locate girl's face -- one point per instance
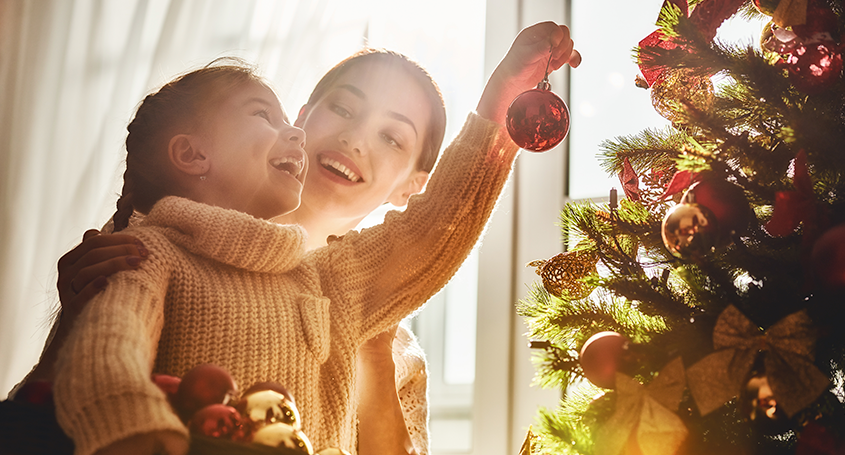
(256, 161)
(365, 136)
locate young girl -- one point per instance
(408, 270)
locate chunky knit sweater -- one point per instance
(222, 287)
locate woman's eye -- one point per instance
(341, 111)
(390, 140)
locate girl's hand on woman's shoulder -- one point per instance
(525, 65)
(83, 270)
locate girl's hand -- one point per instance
(524, 66)
(83, 270)
(153, 443)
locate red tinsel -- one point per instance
(680, 181)
(707, 16)
(630, 181)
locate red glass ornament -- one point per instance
(203, 385)
(814, 67)
(218, 421)
(828, 258)
(538, 120)
(600, 358)
(726, 201)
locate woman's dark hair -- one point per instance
(173, 108)
(437, 129)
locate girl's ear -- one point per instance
(185, 156)
(414, 185)
(303, 114)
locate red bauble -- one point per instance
(202, 386)
(538, 119)
(828, 258)
(726, 201)
(218, 421)
(601, 356)
(821, 23)
(814, 67)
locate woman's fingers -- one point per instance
(97, 256)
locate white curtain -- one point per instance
(72, 73)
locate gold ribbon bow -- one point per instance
(789, 346)
(648, 413)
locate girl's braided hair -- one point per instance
(174, 108)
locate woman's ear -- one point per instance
(303, 114)
(413, 185)
(185, 156)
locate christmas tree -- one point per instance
(703, 312)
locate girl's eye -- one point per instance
(264, 113)
(341, 111)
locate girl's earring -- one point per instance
(202, 177)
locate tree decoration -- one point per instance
(788, 360)
(759, 406)
(601, 357)
(689, 231)
(562, 273)
(796, 206)
(675, 88)
(218, 421)
(537, 119)
(645, 415)
(283, 435)
(630, 181)
(814, 66)
(726, 201)
(828, 259)
(203, 385)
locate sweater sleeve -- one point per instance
(412, 386)
(384, 273)
(103, 390)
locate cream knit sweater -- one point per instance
(223, 287)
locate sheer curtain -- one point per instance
(72, 73)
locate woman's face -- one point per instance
(256, 160)
(365, 136)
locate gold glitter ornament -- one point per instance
(563, 272)
(676, 87)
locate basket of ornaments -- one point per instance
(261, 420)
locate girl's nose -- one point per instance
(295, 135)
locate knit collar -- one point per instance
(229, 236)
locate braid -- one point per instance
(172, 109)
